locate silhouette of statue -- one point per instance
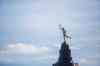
(65, 35)
(65, 58)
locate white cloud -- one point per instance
(21, 48)
(88, 61)
(21, 52)
(75, 48)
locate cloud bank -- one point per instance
(20, 52)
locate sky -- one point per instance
(29, 32)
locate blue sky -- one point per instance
(29, 32)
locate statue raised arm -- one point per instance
(65, 34)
